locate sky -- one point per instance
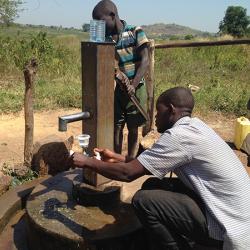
(203, 15)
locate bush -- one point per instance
(189, 37)
(58, 78)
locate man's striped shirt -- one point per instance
(207, 165)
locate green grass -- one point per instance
(222, 73)
(25, 31)
(49, 94)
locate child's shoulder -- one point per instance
(130, 27)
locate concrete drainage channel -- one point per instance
(43, 215)
(12, 216)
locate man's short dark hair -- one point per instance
(179, 97)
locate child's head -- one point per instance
(106, 10)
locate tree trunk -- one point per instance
(29, 76)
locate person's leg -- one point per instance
(118, 138)
(119, 119)
(170, 217)
(132, 141)
(135, 119)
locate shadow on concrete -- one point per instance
(20, 234)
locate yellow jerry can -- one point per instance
(242, 128)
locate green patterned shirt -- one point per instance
(130, 39)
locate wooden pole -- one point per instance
(201, 44)
(29, 76)
(98, 63)
(150, 74)
(150, 89)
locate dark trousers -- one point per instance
(172, 215)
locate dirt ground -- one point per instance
(46, 123)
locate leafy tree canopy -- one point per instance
(86, 27)
(235, 22)
(9, 10)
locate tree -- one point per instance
(9, 10)
(189, 37)
(86, 27)
(235, 22)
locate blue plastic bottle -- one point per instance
(97, 31)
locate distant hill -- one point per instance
(161, 30)
(27, 30)
(155, 31)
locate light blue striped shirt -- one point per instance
(207, 165)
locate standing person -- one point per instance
(133, 60)
(208, 203)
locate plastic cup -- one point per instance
(83, 140)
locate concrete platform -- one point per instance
(14, 235)
(14, 200)
(12, 216)
(56, 221)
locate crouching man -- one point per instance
(208, 203)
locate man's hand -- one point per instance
(131, 89)
(79, 160)
(109, 156)
(125, 83)
(113, 165)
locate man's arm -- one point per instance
(141, 70)
(119, 171)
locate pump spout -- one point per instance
(64, 120)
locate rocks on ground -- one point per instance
(5, 182)
(51, 155)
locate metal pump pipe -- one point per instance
(64, 120)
